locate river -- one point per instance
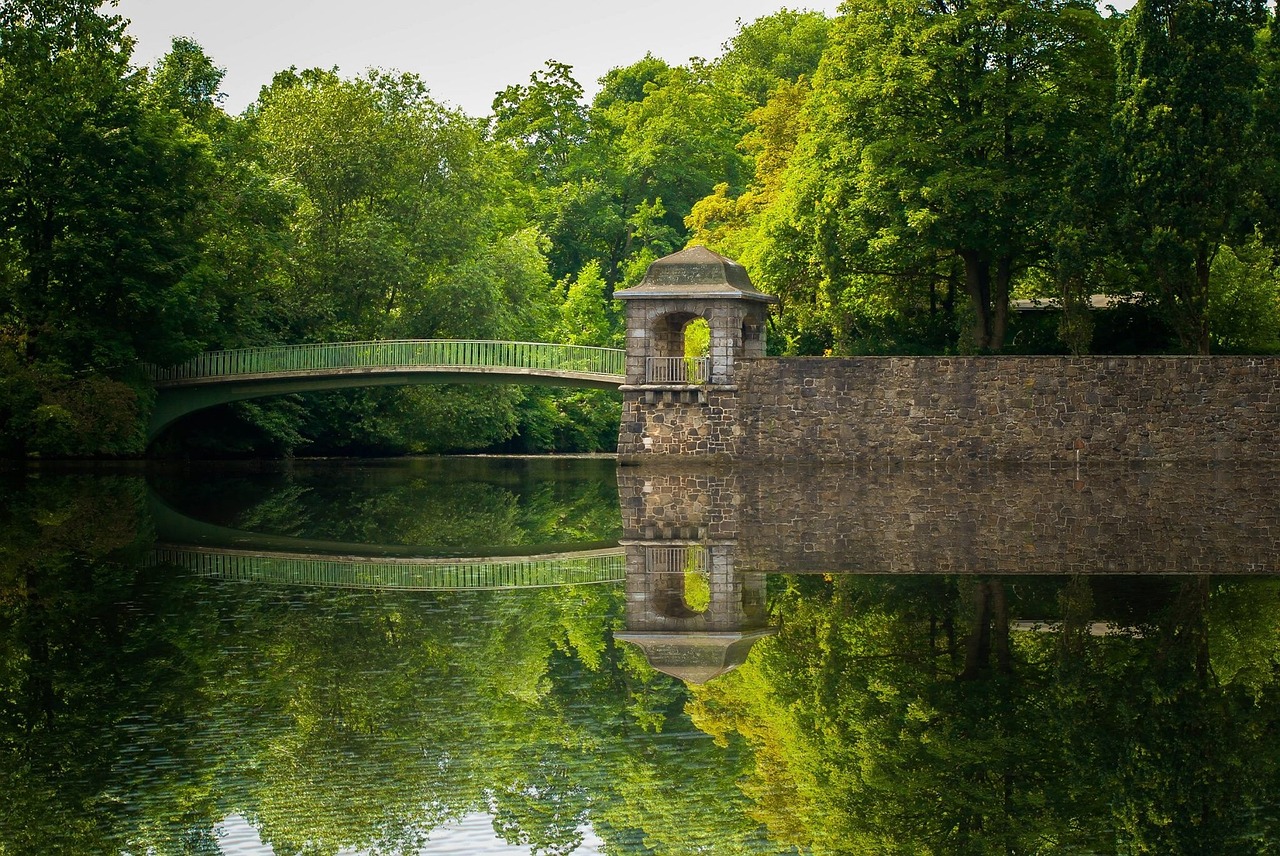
(555, 656)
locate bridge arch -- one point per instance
(220, 377)
(221, 552)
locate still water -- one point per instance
(555, 656)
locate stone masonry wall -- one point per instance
(875, 409)
(984, 519)
(685, 423)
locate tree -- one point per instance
(1187, 145)
(96, 195)
(938, 145)
(771, 50)
(380, 214)
(878, 724)
(671, 134)
(546, 121)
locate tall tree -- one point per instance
(545, 120)
(938, 142)
(96, 192)
(1187, 144)
(774, 49)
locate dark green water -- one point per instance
(146, 708)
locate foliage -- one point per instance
(879, 724)
(45, 412)
(1243, 311)
(1187, 143)
(939, 139)
(769, 52)
(141, 706)
(97, 196)
(896, 175)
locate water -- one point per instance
(900, 661)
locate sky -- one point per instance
(472, 835)
(465, 51)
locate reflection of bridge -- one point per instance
(219, 377)
(226, 553)
(410, 574)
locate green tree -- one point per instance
(1243, 311)
(380, 172)
(1187, 145)
(938, 144)
(374, 213)
(96, 196)
(771, 50)
(244, 244)
(905, 716)
(671, 135)
(545, 121)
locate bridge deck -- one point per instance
(220, 377)
(587, 567)
(329, 359)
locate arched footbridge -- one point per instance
(219, 377)
(224, 553)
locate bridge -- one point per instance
(583, 567)
(225, 553)
(219, 377)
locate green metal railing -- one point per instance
(409, 575)
(406, 354)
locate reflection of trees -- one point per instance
(140, 707)
(454, 505)
(900, 715)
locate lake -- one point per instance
(555, 656)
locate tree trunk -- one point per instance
(1000, 302)
(949, 302)
(1201, 311)
(977, 652)
(1000, 626)
(977, 282)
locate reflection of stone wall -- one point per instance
(670, 505)
(973, 408)
(1013, 520)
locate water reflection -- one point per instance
(1025, 661)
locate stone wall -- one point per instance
(700, 423)
(973, 519)
(945, 409)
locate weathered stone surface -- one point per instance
(970, 519)
(945, 409)
(708, 429)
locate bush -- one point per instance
(46, 413)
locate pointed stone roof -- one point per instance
(697, 657)
(695, 272)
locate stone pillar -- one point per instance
(673, 406)
(689, 609)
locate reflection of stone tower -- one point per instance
(674, 404)
(689, 609)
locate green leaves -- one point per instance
(872, 733)
(1188, 146)
(97, 194)
(941, 134)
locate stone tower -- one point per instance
(674, 403)
(693, 613)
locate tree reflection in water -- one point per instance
(901, 715)
(141, 706)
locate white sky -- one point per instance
(465, 50)
(473, 835)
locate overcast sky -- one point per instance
(465, 50)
